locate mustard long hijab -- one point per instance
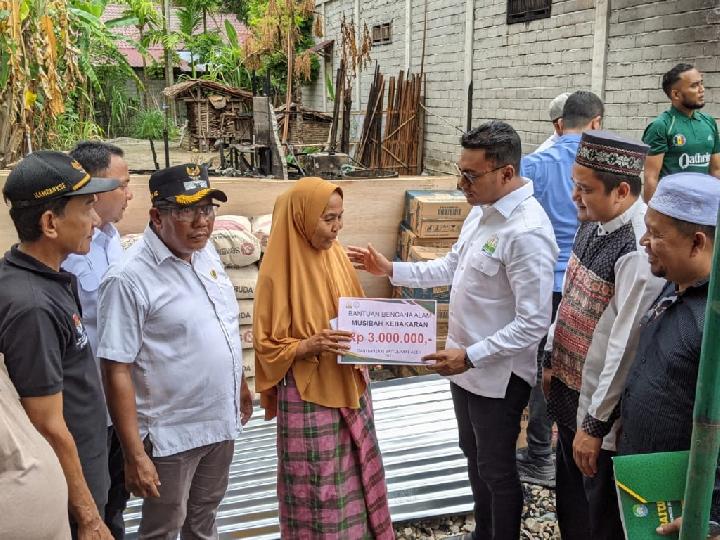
(296, 296)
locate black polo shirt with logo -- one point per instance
(46, 351)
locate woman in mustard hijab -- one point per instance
(331, 482)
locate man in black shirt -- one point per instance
(45, 345)
(659, 393)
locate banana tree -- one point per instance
(48, 50)
(189, 16)
(144, 15)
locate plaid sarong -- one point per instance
(331, 481)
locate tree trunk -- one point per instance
(169, 74)
(144, 78)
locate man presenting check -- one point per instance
(501, 271)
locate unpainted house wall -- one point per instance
(520, 68)
(315, 95)
(620, 52)
(443, 64)
(444, 72)
(646, 39)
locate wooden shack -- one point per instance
(214, 111)
(307, 127)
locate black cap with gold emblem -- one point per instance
(45, 175)
(183, 185)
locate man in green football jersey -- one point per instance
(681, 139)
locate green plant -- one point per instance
(238, 7)
(225, 61)
(145, 16)
(149, 124)
(265, 51)
(203, 47)
(51, 52)
(329, 86)
(155, 70)
(69, 128)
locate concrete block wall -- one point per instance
(646, 39)
(443, 64)
(315, 95)
(444, 96)
(520, 68)
(391, 56)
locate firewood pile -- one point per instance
(400, 147)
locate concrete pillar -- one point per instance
(468, 55)
(408, 35)
(600, 47)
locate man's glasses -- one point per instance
(188, 214)
(472, 178)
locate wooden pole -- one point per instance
(340, 77)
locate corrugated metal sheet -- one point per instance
(426, 472)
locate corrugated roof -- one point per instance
(426, 471)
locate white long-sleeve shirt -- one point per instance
(608, 288)
(501, 270)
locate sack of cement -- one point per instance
(236, 246)
(249, 363)
(246, 336)
(261, 229)
(244, 280)
(128, 240)
(233, 223)
(246, 312)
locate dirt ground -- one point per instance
(139, 156)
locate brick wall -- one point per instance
(518, 69)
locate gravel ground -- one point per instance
(539, 520)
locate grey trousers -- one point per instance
(193, 484)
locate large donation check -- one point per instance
(388, 331)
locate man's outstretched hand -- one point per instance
(370, 260)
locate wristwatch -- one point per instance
(468, 363)
(713, 529)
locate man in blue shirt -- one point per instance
(556, 110)
(551, 173)
(103, 160)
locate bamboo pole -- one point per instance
(706, 416)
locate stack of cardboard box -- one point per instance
(431, 225)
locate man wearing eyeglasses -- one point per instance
(501, 272)
(170, 345)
